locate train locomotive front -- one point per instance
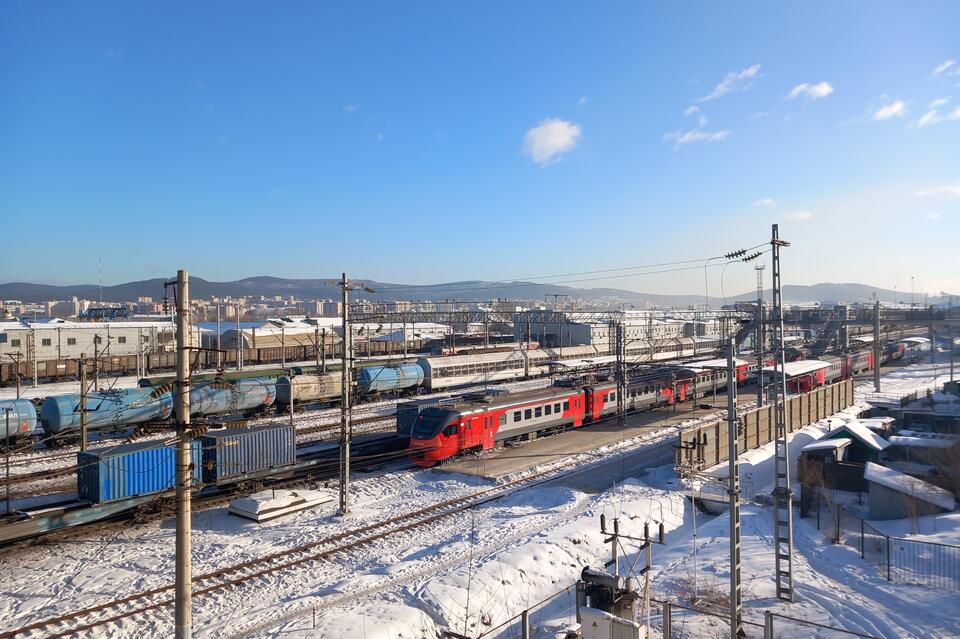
(434, 436)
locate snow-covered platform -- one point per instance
(501, 462)
(270, 504)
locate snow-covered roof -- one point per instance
(922, 442)
(908, 485)
(916, 340)
(717, 363)
(827, 444)
(877, 423)
(800, 367)
(863, 339)
(861, 432)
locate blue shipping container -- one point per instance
(235, 452)
(130, 470)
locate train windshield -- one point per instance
(431, 421)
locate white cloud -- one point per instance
(943, 67)
(955, 114)
(945, 189)
(811, 91)
(767, 201)
(928, 118)
(696, 135)
(691, 110)
(550, 139)
(733, 81)
(798, 216)
(892, 110)
(939, 102)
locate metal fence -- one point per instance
(897, 559)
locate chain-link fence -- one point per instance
(895, 558)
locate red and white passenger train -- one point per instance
(478, 423)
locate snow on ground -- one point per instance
(472, 571)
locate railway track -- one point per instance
(86, 619)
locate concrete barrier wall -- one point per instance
(706, 445)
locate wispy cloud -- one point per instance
(811, 91)
(798, 216)
(681, 138)
(735, 80)
(550, 139)
(944, 189)
(933, 115)
(944, 66)
(582, 102)
(695, 110)
(767, 201)
(350, 108)
(893, 110)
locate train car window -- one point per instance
(516, 416)
(71, 341)
(45, 341)
(503, 418)
(527, 414)
(14, 343)
(538, 412)
(556, 408)
(548, 410)
(566, 405)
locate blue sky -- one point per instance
(427, 142)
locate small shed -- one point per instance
(826, 450)
(895, 495)
(865, 445)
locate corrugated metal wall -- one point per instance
(758, 425)
(234, 452)
(128, 471)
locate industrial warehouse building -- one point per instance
(57, 339)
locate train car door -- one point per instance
(490, 425)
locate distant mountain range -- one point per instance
(466, 291)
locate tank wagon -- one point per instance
(241, 396)
(61, 415)
(385, 379)
(19, 423)
(324, 387)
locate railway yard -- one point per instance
(424, 488)
(409, 538)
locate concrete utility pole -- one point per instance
(219, 349)
(736, 604)
(7, 455)
(621, 372)
(83, 401)
(323, 351)
(783, 508)
(184, 592)
(239, 341)
(345, 355)
(876, 346)
(760, 335)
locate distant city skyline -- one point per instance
(422, 144)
